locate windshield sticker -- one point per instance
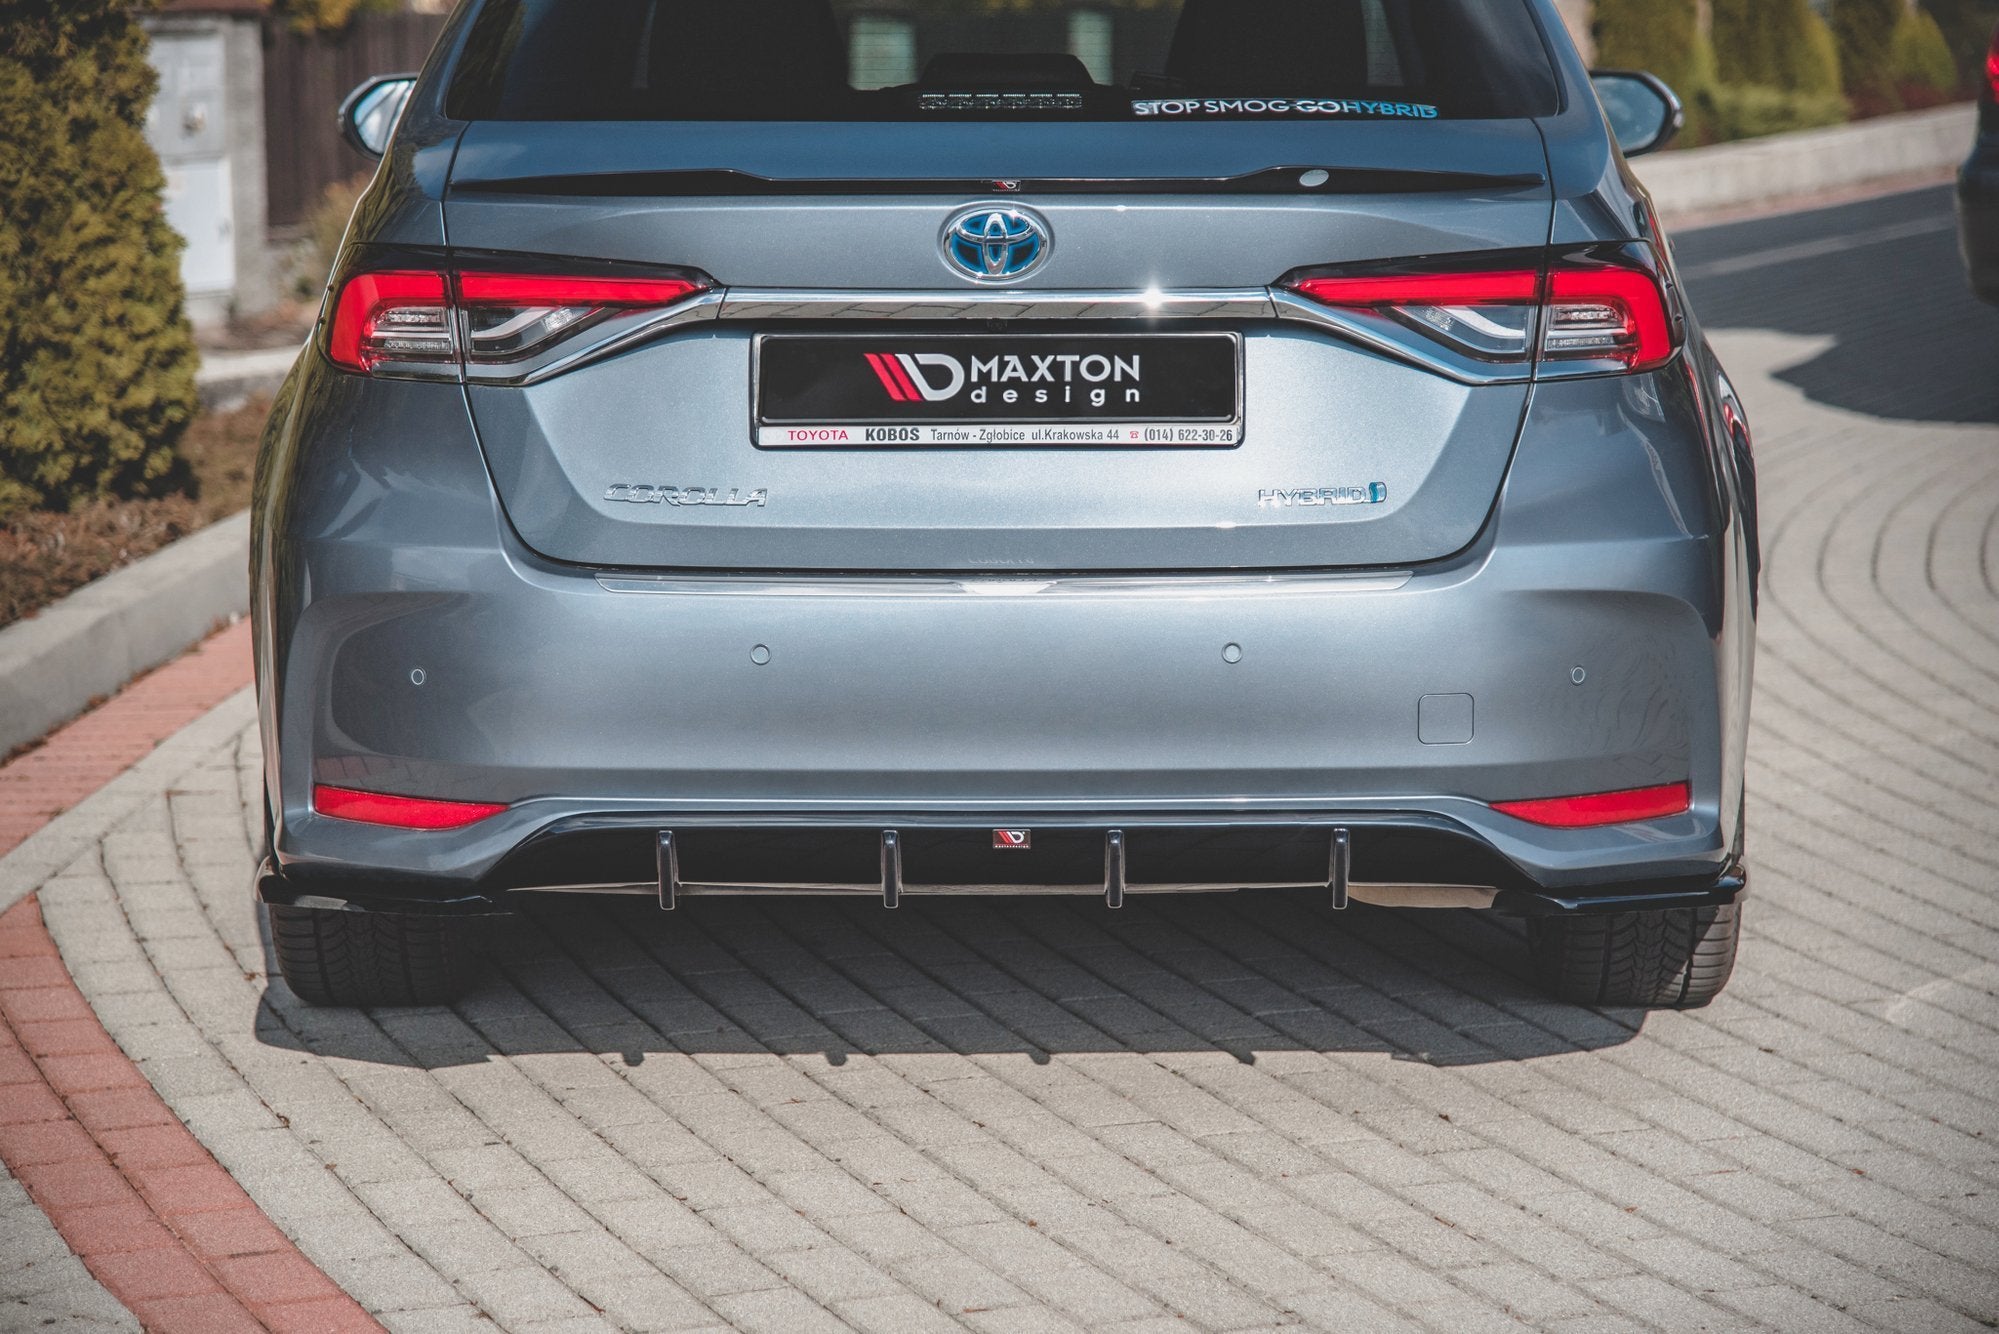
(1282, 106)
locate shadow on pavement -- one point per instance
(1883, 280)
(1237, 974)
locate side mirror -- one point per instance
(368, 117)
(1643, 112)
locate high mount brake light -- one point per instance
(1603, 808)
(417, 321)
(1590, 315)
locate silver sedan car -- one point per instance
(779, 447)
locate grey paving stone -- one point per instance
(656, 1223)
(777, 1311)
(462, 1318)
(520, 1294)
(653, 1302)
(714, 1269)
(42, 1284)
(832, 1274)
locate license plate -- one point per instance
(870, 391)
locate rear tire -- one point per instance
(330, 957)
(1675, 959)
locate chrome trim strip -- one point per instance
(972, 585)
(706, 306)
(1220, 813)
(1374, 332)
(1380, 334)
(956, 304)
(1377, 333)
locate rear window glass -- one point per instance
(1106, 60)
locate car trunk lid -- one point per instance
(1340, 454)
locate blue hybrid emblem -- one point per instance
(991, 244)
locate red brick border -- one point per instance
(82, 756)
(160, 1223)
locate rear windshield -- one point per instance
(1106, 60)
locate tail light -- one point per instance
(1488, 315)
(1603, 808)
(1603, 313)
(400, 317)
(429, 324)
(1571, 315)
(1992, 70)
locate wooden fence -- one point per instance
(306, 76)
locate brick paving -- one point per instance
(83, 756)
(156, 1220)
(166, 1233)
(1222, 1114)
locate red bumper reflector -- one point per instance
(399, 812)
(1603, 808)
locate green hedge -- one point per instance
(1866, 32)
(1659, 36)
(1781, 44)
(96, 358)
(1919, 57)
(1728, 113)
(1772, 64)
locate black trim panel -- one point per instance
(725, 183)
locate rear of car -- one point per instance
(1978, 189)
(790, 447)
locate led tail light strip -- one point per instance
(1574, 315)
(431, 323)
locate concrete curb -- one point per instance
(1784, 166)
(227, 378)
(106, 633)
(49, 850)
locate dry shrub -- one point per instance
(45, 555)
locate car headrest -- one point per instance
(758, 56)
(1270, 48)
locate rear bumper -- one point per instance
(977, 703)
(1978, 217)
(1594, 640)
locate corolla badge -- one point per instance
(995, 243)
(688, 497)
